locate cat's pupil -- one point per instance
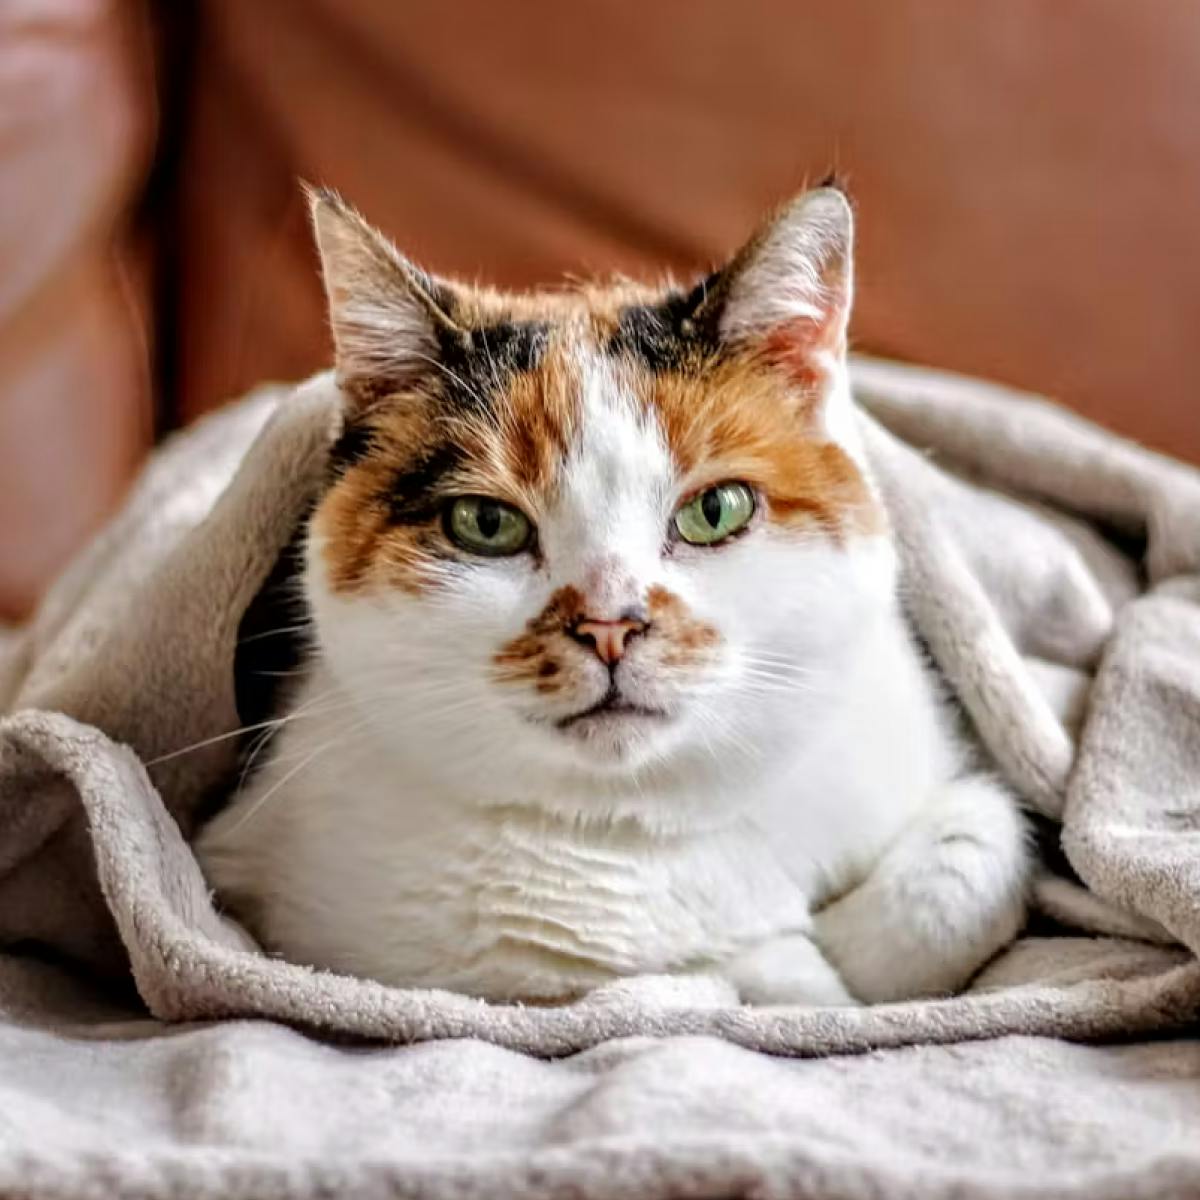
(710, 506)
(488, 519)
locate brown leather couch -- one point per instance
(1025, 174)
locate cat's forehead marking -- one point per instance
(618, 463)
(616, 425)
(479, 364)
(618, 471)
(570, 411)
(673, 333)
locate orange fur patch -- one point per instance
(530, 657)
(741, 419)
(510, 452)
(361, 544)
(686, 640)
(539, 414)
(541, 655)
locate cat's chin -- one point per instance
(615, 738)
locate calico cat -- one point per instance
(608, 674)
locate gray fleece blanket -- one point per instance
(1054, 573)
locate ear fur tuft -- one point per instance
(385, 313)
(793, 280)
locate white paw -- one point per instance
(887, 960)
(687, 990)
(944, 898)
(787, 970)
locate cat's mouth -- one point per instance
(611, 706)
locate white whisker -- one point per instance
(302, 627)
(279, 783)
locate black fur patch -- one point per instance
(354, 444)
(478, 363)
(410, 498)
(272, 645)
(678, 334)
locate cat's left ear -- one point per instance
(388, 317)
(788, 291)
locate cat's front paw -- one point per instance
(686, 990)
(946, 896)
(787, 970)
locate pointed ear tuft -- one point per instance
(385, 313)
(834, 179)
(789, 288)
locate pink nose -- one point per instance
(607, 638)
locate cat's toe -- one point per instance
(788, 970)
(685, 990)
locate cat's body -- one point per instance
(610, 674)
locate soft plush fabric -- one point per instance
(1078, 664)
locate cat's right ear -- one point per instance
(787, 292)
(386, 314)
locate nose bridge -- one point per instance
(610, 587)
(608, 535)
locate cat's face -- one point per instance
(602, 528)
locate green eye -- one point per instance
(714, 514)
(486, 526)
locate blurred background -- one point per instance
(1026, 173)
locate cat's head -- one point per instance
(604, 528)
